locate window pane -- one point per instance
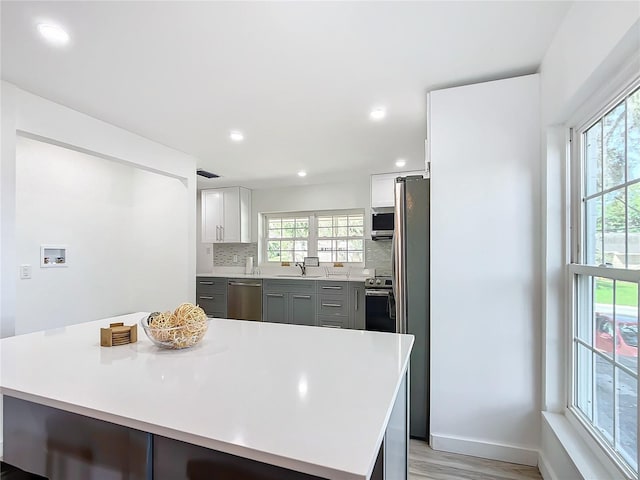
(603, 411)
(275, 223)
(593, 159)
(613, 133)
(585, 313)
(301, 245)
(355, 244)
(584, 378)
(341, 256)
(633, 136)
(286, 256)
(355, 257)
(341, 221)
(341, 231)
(288, 232)
(273, 251)
(593, 232)
(286, 245)
(324, 245)
(614, 228)
(356, 220)
(275, 233)
(299, 256)
(302, 232)
(356, 231)
(340, 245)
(324, 256)
(633, 219)
(604, 315)
(627, 417)
(325, 232)
(325, 221)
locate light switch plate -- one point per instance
(25, 271)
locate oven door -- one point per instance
(380, 310)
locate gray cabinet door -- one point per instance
(275, 308)
(302, 309)
(356, 305)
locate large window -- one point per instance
(336, 236)
(605, 277)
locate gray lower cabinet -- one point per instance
(289, 301)
(356, 305)
(274, 307)
(333, 304)
(302, 309)
(211, 295)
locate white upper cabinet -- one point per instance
(226, 215)
(382, 187)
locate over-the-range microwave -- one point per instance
(382, 224)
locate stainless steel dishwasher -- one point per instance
(244, 299)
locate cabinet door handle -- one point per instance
(221, 233)
(205, 298)
(217, 232)
(332, 288)
(302, 296)
(206, 283)
(356, 295)
(332, 326)
(275, 294)
(337, 305)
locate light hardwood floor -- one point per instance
(425, 463)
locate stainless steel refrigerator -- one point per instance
(411, 290)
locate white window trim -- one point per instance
(313, 233)
(616, 90)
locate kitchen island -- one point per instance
(252, 400)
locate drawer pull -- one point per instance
(275, 294)
(302, 296)
(336, 305)
(332, 288)
(205, 298)
(206, 283)
(332, 326)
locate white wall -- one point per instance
(37, 116)
(587, 60)
(485, 250)
(125, 241)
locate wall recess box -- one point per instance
(53, 256)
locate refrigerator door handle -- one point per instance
(399, 257)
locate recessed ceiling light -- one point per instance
(302, 173)
(236, 136)
(53, 34)
(401, 162)
(378, 113)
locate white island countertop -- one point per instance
(314, 400)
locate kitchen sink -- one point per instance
(300, 276)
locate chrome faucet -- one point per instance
(303, 268)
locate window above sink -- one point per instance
(335, 236)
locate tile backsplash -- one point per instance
(223, 254)
(377, 254)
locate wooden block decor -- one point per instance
(118, 334)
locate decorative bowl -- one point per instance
(183, 336)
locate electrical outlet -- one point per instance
(235, 259)
(25, 271)
(208, 250)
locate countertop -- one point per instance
(289, 275)
(314, 400)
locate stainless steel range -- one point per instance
(379, 304)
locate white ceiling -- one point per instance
(299, 79)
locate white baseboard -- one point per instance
(545, 468)
(483, 449)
